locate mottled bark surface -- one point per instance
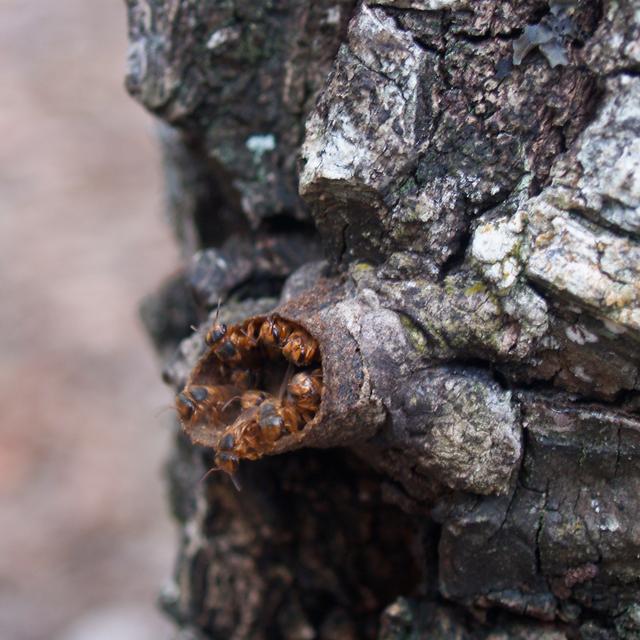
(446, 195)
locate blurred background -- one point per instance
(85, 542)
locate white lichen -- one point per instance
(259, 144)
(495, 248)
(222, 36)
(580, 335)
(422, 5)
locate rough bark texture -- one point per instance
(472, 172)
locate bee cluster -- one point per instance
(259, 381)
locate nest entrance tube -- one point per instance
(259, 383)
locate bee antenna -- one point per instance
(228, 402)
(234, 478)
(169, 407)
(206, 475)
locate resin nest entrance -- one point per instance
(259, 382)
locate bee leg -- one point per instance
(229, 463)
(285, 382)
(235, 478)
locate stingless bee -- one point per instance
(273, 335)
(305, 389)
(300, 348)
(255, 431)
(197, 403)
(234, 345)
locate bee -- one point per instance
(240, 440)
(234, 345)
(218, 331)
(215, 334)
(263, 421)
(275, 418)
(228, 462)
(248, 400)
(305, 390)
(273, 334)
(253, 398)
(232, 348)
(198, 403)
(242, 378)
(245, 337)
(293, 420)
(300, 348)
(226, 458)
(218, 339)
(270, 422)
(259, 425)
(249, 442)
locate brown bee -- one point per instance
(305, 390)
(262, 422)
(226, 460)
(275, 418)
(270, 422)
(249, 442)
(255, 431)
(217, 332)
(234, 345)
(300, 349)
(242, 378)
(259, 425)
(237, 442)
(293, 420)
(251, 330)
(230, 348)
(253, 398)
(242, 437)
(273, 334)
(240, 440)
(218, 339)
(198, 403)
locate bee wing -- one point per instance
(202, 433)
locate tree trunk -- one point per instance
(445, 195)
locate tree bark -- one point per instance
(446, 195)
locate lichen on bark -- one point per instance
(471, 171)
